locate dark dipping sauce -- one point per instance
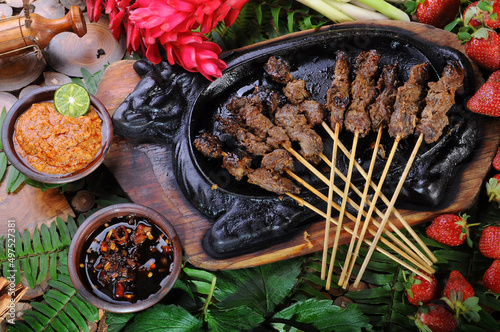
(127, 259)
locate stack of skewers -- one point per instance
(358, 100)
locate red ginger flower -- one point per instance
(170, 23)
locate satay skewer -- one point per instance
(424, 265)
(329, 203)
(368, 242)
(345, 274)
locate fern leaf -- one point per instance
(18, 249)
(53, 265)
(37, 242)
(47, 241)
(63, 231)
(27, 243)
(72, 227)
(58, 325)
(44, 309)
(54, 236)
(32, 321)
(68, 323)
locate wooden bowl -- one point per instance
(87, 231)
(45, 94)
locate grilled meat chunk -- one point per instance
(272, 181)
(278, 160)
(238, 164)
(337, 97)
(209, 144)
(314, 111)
(278, 69)
(295, 91)
(440, 98)
(299, 130)
(409, 101)
(253, 144)
(363, 92)
(387, 86)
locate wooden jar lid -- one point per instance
(18, 71)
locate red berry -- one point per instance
(489, 243)
(422, 291)
(437, 13)
(458, 284)
(484, 49)
(486, 100)
(437, 319)
(491, 278)
(475, 16)
(449, 229)
(494, 77)
(496, 160)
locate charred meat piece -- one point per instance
(409, 100)
(363, 92)
(278, 160)
(299, 130)
(272, 181)
(314, 111)
(249, 115)
(295, 91)
(382, 108)
(253, 144)
(266, 97)
(238, 164)
(278, 69)
(440, 98)
(337, 97)
(209, 144)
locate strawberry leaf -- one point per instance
(486, 6)
(411, 7)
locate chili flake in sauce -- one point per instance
(57, 144)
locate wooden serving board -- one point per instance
(145, 172)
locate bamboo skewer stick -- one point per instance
(410, 255)
(374, 202)
(389, 208)
(410, 230)
(329, 203)
(359, 216)
(342, 208)
(391, 225)
(368, 242)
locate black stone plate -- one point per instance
(172, 106)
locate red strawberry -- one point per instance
(456, 294)
(436, 318)
(496, 160)
(458, 284)
(475, 16)
(484, 49)
(449, 229)
(486, 100)
(493, 189)
(495, 77)
(489, 243)
(491, 278)
(437, 13)
(422, 291)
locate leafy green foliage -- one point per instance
(63, 309)
(37, 255)
(253, 23)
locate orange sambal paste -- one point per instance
(57, 144)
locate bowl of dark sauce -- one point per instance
(125, 258)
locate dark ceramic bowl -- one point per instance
(45, 94)
(87, 231)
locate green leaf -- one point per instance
(63, 231)
(237, 319)
(372, 296)
(116, 322)
(258, 13)
(323, 316)
(275, 11)
(3, 114)
(156, 318)
(261, 288)
(15, 179)
(3, 165)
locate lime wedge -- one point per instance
(72, 100)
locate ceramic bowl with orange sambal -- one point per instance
(53, 148)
